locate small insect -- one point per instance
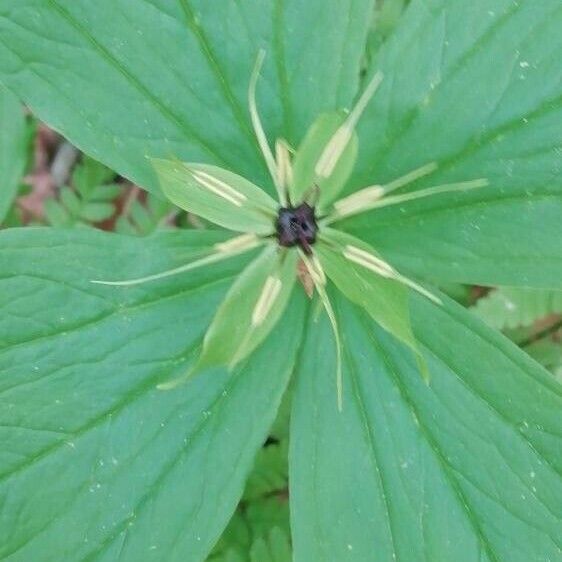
(295, 234)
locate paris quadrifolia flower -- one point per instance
(297, 234)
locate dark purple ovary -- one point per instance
(296, 226)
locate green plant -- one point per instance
(88, 200)
(514, 308)
(15, 136)
(98, 464)
(143, 219)
(531, 318)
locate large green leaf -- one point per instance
(13, 149)
(169, 78)
(477, 87)
(468, 469)
(96, 463)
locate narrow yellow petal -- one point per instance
(257, 124)
(319, 277)
(384, 269)
(224, 250)
(410, 177)
(428, 192)
(314, 268)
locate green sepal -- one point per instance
(308, 154)
(243, 207)
(385, 300)
(232, 335)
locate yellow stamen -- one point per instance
(356, 202)
(410, 177)
(284, 168)
(237, 244)
(421, 193)
(258, 127)
(369, 261)
(339, 141)
(384, 269)
(219, 187)
(266, 300)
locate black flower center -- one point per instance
(296, 226)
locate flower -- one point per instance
(296, 233)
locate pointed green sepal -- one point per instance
(251, 309)
(385, 299)
(305, 176)
(217, 195)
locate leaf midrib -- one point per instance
(371, 444)
(214, 65)
(136, 394)
(447, 469)
(414, 113)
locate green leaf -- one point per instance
(144, 219)
(549, 354)
(13, 149)
(467, 469)
(307, 156)
(270, 472)
(217, 195)
(386, 300)
(89, 175)
(251, 309)
(88, 200)
(266, 514)
(178, 86)
(97, 212)
(96, 463)
(387, 15)
(253, 522)
(262, 543)
(236, 538)
(476, 88)
(56, 214)
(508, 307)
(70, 200)
(109, 192)
(274, 548)
(280, 427)
(229, 556)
